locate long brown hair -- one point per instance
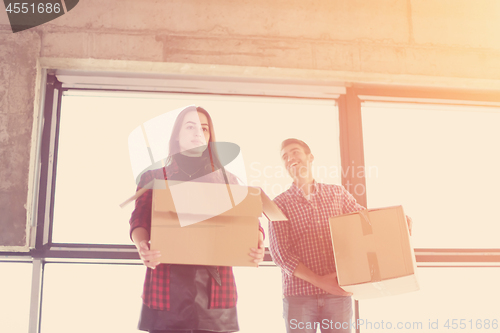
(173, 145)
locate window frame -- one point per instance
(358, 92)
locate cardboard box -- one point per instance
(373, 255)
(221, 222)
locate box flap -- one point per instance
(271, 210)
(196, 201)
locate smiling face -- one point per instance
(297, 162)
(194, 134)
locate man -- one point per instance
(302, 247)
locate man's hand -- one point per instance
(148, 257)
(258, 253)
(330, 284)
(409, 221)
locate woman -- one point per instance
(186, 298)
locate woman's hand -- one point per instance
(148, 257)
(258, 253)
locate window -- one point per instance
(439, 162)
(15, 283)
(260, 306)
(451, 296)
(94, 172)
(435, 157)
(91, 297)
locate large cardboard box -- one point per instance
(208, 224)
(373, 255)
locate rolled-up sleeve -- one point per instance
(281, 243)
(349, 203)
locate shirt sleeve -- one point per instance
(349, 203)
(141, 216)
(281, 245)
(262, 230)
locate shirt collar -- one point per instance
(298, 191)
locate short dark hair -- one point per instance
(301, 143)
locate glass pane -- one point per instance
(94, 173)
(260, 305)
(106, 298)
(91, 298)
(15, 288)
(441, 163)
(465, 297)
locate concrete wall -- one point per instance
(18, 55)
(454, 40)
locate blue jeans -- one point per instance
(329, 313)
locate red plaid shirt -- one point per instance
(305, 237)
(156, 293)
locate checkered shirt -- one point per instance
(156, 293)
(305, 237)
